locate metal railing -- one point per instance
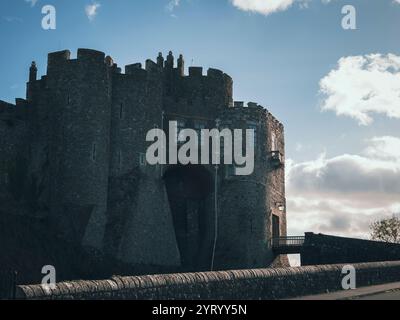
(282, 242)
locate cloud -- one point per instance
(334, 217)
(172, 4)
(12, 19)
(91, 10)
(267, 7)
(387, 148)
(262, 6)
(343, 195)
(361, 86)
(347, 173)
(32, 2)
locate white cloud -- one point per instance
(263, 6)
(267, 7)
(387, 148)
(12, 19)
(343, 195)
(32, 2)
(91, 10)
(172, 4)
(362, 86)
(346, 173)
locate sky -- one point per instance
(337, 91)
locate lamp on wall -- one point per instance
(280, 206)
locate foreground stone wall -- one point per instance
(237, 285)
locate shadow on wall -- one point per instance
(189, 189)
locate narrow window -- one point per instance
(94, 151)
(275, 227)
(68, 99)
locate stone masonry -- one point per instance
(260, 284)
(73, 154)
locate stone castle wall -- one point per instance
(325, 249)
(76, 148)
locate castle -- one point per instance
(73, 152)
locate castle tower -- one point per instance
(139, 227)
(80, 93)
(88, 124)
(247, 204)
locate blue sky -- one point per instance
(340, 163)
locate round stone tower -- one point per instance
(80, 92)
(247, 204)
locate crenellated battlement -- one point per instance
(7, 111)
(252, 109)
(90, 55)
(6, 106)
(192, 89)
(193, 85)
(59, 58)
(82, 54)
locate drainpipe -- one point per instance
(162, 128)
(215, 206)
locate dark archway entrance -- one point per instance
(188, 189)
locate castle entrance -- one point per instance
(189, 188)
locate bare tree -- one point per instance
(387, 230)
